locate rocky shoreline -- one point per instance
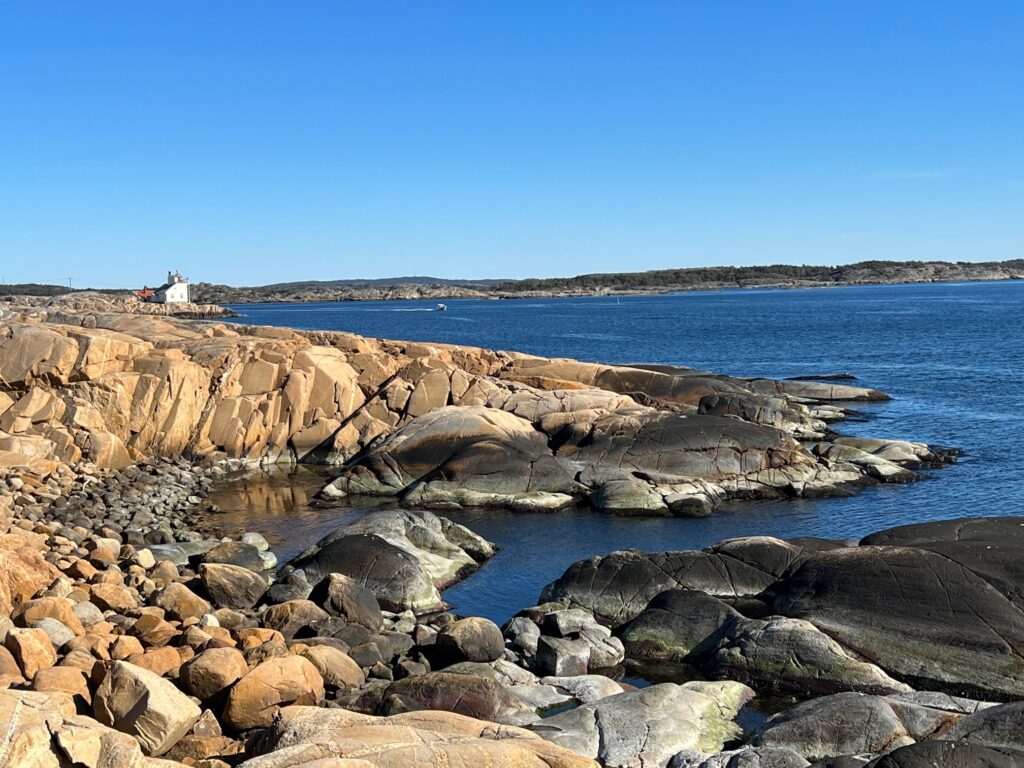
(129, 635)
(196, 652)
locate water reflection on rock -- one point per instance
(277, 502)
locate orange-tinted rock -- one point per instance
(113, 597)
(160, 661)
(59, 608)
(212, 672)
(64, 680)
(256, 698)
(335, 666)
(31, 649)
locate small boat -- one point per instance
(442, 307)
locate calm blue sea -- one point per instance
(951, 355)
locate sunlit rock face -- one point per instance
(432, 425)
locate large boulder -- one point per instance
(648, 727)
(404, 558)
(293, 615)
(471, 639)
(933, 606)
(32, 649)
(232, 586)
(335, 666)
(855, 724)
(136, 701)
(237, 553)
(276, 683)
(346, 598)
(748, 757)
(463, 455)
(42, 729)
(464, 694)
(843, 724)
(922, 615)
(212, 672)
(1001, 726)
(395, 577)
(23, 571)
(683, 446)
(792, 654)
(619, 586)
(944, 754)
(676, 625)
(180, 603)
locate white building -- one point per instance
(174, 291)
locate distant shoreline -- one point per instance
(655, 282)
(624, 293)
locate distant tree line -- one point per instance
(45, 289)
(662, 279)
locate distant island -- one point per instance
(611, 283)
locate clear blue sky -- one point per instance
(251, 142)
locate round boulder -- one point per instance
(472, 639)
(236, 553)
(335, 666)
(232, 586)
(276, 683)
(343, 596)
(288, 618)
(212, 671)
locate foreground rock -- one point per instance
(906, 725)
(135, 701)
(42, 729)
(305, 735)
(937, 753)
(256, 698)
(649, 727)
